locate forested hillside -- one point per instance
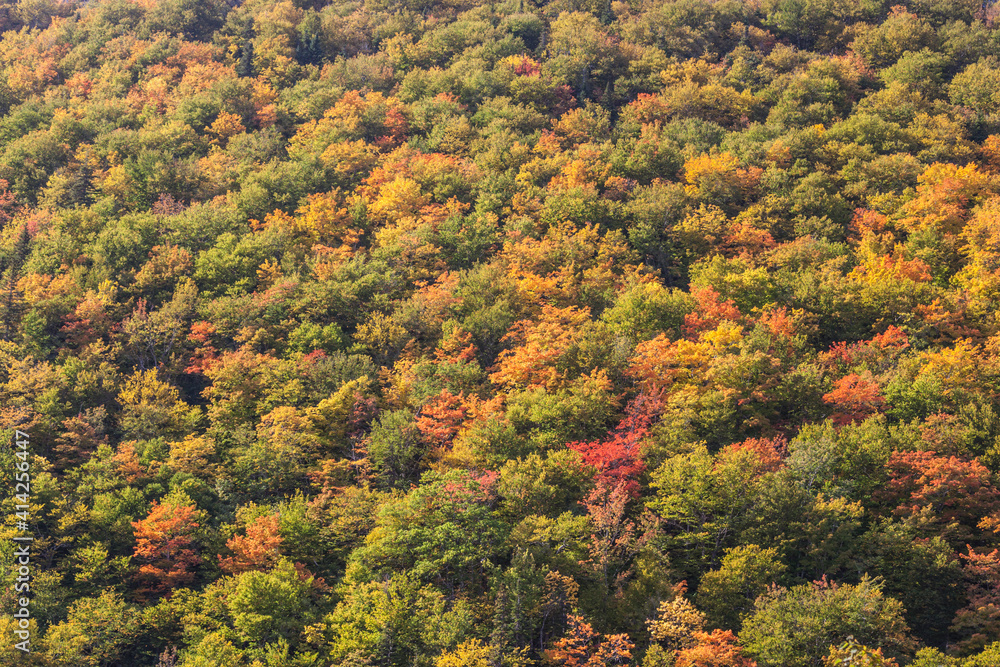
(447, 333)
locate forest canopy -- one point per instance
(442, 333)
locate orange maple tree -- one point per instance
(854, 398)
(713, 649)
(944, 495)
(165, 547)
(257, 550)
(582, 646)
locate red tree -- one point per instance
(941, 495)
(881, 352)
(979, 621)
(617, 458)
(442, 417)
(203, 354)
(613, 540)
(79, 439)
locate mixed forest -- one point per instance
(502, 333)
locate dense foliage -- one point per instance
(459, 334)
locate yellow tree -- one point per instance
(152, 407)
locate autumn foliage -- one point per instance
(617, 459)
(854, 397)
(715, 649)
(257, 550)
(940, 493)
(501, 334)
(165, 545)
(583, 647)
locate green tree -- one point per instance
(98, 631)
(396, 447)
(798, 625)
(728, 593)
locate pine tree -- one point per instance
(244, 67)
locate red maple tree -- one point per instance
(617, 457)
(765, 454)
(944, 495)
(442, 417)
(979, 620)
